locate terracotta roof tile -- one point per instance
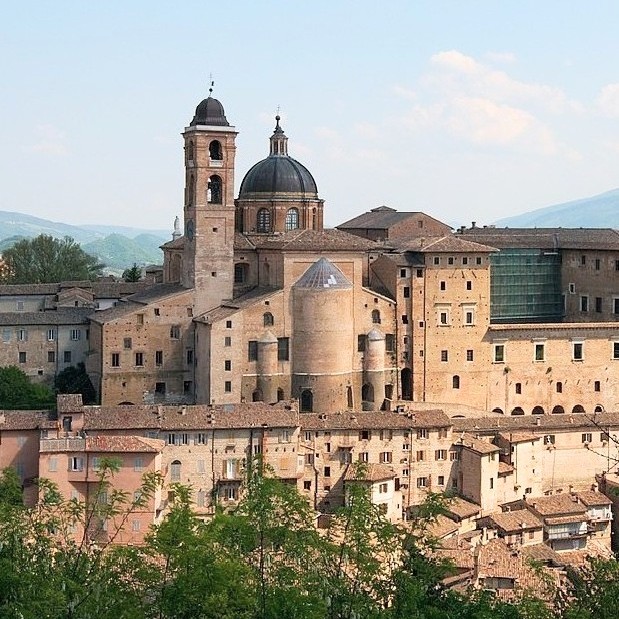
(123, 444)
(370, 472)
(517, 520)
(590, 498)
(461, 508)
(556, 505)
(61, 316)
(373, 420)
(476, 444)
(313, 240)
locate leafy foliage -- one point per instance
(75, 379)
(17, 392)
(134, 274)
(45, 259)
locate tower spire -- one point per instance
(279, 141)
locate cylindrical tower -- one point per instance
(373, 389)
(323, 338)
(267, 367)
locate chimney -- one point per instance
(473, 225)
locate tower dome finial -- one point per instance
(212, 83)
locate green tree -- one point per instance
(75, 379)
(134, 274)
(45, 259)
(17, 392)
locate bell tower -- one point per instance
(208, 262)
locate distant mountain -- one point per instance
(601, 211)
(118, 247)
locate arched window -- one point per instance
(558, 410)
(406, 376)
(191, 190)
(367, 393)
(268, 319)
(376, 317)
(349, 396)
(280, 394)
(263, 220)
(292, 219)
(256, 396)
(190, 151)
(213, 192)
(518, 411)
(307, 401)
(214, 150)
(175, 471)
(578, 409)
(175, 269)
(538, 410)
(498, 410)
(455, 382)
(598, 409)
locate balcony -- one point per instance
(69, 443)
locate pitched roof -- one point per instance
(545, 238)
(380, 218)
(100, 288)
(313, 240)
(445, 244)
(229, 308)
(60, 316)
(323, 274)
(24, 420)
(373, 420)
(123, 444)
(519, 437)
(477, 445)
(591, 498)
(461, 508)
(517, 520)
(369, 472)
(556, 505)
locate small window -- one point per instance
(518, 388)
(189, 356)
(159, 358)
(419, 272)
(76, 334)
(228, 324)
(421, 455)
(443, 285)
(292, 219)
(469, 285)
(559, 387)
(385, 457)
(307, 485)
(67, 356)
(228, 386)
(455, 382)
(376, 317)
(22, 335)
(469, 317)
(597, 264)
(227, 341)
(444, 355)
(364, 456)
(577, 351)
(20, 306)
(499, 353)
(422, 433)
(478, 260)
(22, 357)
(115, 360)
(139, 319)
(598, 304)
(51, 356)
(586, 437)
(252, 350)
(267, 319)
(138, 464)
(390, 342)
(440, 454)
(361, 343)
(406, 292)
(404, 319)
(436, 260)
(615, 350)
(539, 352)
(227, 365)
(283, 349)
(450, 260)
(403, 273)
(597, 386)
(139, 359)
(76, 463)
(583, 260)
(127, 343)
(51, 335)
(584, 303)
(364, 435)
(443, 318)
(469, 355)
(156, 311)
(465, 260)
(422, 482)
(441, 480)
(175, 332)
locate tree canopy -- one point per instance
(134, 274)
(75, 379)
(17, 392)
(45, 259)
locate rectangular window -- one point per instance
(228, 324)
(421, 455)
(444, 355)
(76, 463)
(227, 341)
(577, 351)
(189, 356)
(364, 456)
(583, 260)
(406, 292)
(115, 360)
(469, 355)
(200, 438)
(436, 260)
(390, 342)
(127, 343)
(135, 526)
(385, 457)
(616, 265)
(403, 273)
(549, 439)
(327, 471)
(450, 260)
(597, 386)
(422, 482)
(361, 343)
(22, 357)
(67, 356)
(422, 433)
(20, 306)
(175, 332)
(404, 319)
(465, 260)
(598, 304)
(469, 317)
(22, 335)
(187, 387)
(283, 349)
(139, 319)
(584, 303)
(252, 350)
(491, 483)
(227, 365)
(539, 352)
(76, 334)
(139, 359)
(586, 437)
(615, 350)
(597, 264)
(138, 464)
(383, 488)
(454, 455)
(160, 388)
(419, 273)
(365, 435)
(441, 480)
(200, 498)
(228, 386)
(6, 335)
(159, 358)
(518, 388)
(499, 353)
(443, 318)
(440, 454)
(51, 335)
(51, 356)
(443, 285)
(52, 464)
(156, 311)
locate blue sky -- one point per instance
(467, 110)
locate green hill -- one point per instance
(118, 252)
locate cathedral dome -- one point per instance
(210, 112)
(278, 174)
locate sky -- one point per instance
(467, 110)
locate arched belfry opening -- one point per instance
(215, 151)
(214, 193)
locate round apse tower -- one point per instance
(322, 304)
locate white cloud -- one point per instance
(501, 57)
(49, 141)
(608, 100)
